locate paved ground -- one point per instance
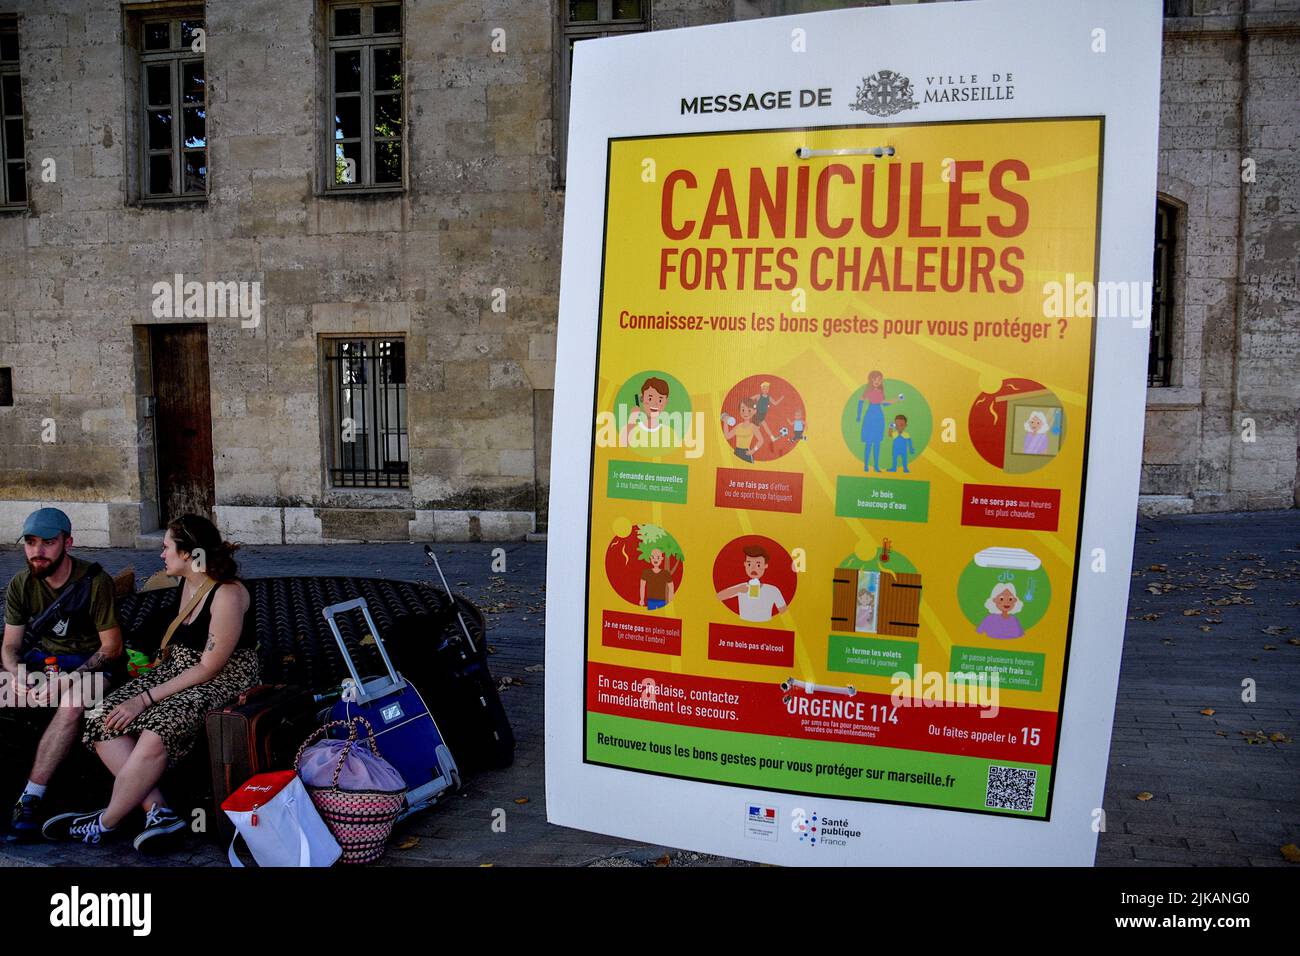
(1224, 788)
(1213, 604)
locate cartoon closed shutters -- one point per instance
(844, 598)
(899, 613)
(900, 605)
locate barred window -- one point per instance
(365, 96)
(587, 20)
(366, 383)
(13, 163)
(1160, 356)
(173, 109)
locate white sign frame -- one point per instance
(633, 85)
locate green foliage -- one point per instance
(652, 537)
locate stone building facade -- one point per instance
(406, 282)
(1221, 431)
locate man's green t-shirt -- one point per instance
(26, 597)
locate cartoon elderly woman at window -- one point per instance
(1036, 429)
(1003, 606)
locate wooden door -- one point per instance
(182, 420)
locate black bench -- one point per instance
(295, 646)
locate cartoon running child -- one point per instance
(651, 399)
(755, 599)
(1003, 604)
(762, 402)
(1036, 434)
(656, 583)
(902, 442)
(873, 422)
(743, 432)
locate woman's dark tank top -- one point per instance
(195, 634)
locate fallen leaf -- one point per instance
(664, 860)
(535, 668)
(1279, 738)
(1146, 795)
(409, 843)
(1192, 612)
(1270, 647)
(1295, 641)
(521, 800)
(1205, 627)
(1158, 567)
(1151, 617)
(482, 865)
(1153, 588)
(1220, 733)
(1291, 853)
(1276, 629)
(1208, 711)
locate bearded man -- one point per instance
(59, 615)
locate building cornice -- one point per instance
(1228, 28)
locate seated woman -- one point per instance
(150, 723)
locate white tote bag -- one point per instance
(279, 823)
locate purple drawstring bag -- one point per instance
(362, 769)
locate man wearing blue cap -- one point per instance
(59, 608)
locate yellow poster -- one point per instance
(839, 447)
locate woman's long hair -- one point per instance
(196, 533)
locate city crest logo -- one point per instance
(884, 94)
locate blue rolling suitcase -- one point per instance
(404, 729)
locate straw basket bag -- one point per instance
(359, 794)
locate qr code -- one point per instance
(1011, 788)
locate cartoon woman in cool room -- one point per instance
(873, 422)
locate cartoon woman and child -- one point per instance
(873, 427)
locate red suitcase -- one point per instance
(257, 733)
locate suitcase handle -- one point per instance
(246, 695)
(359, 604)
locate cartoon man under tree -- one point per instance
(663, 555)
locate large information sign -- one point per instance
(848, 416)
